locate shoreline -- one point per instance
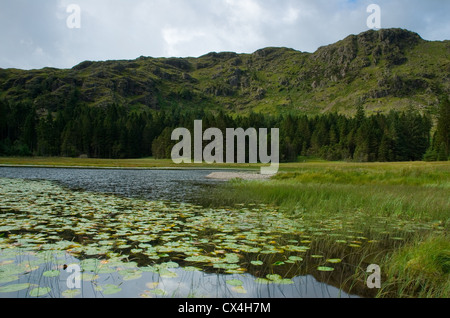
(121, 168)
(218, 173)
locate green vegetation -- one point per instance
(380, 96)
(43, 224)
(114, 133)
(386, 69)
(420, 269)
(405, 190)
(395, 82)
(411, 192)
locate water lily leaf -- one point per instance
(198, 259)
(152, 285)
(235, 282)
(8, 278)
(231, 258)
(53, 273)
(14, 287)
(226, 266)
(87, 277)
(39, 291)
(7, 262)
(71, 293)
(151, 269)
(105, 270)
(295, 258)
(170, 265)
(110, 289)
(165, 273)
(235, 271)
(263, 281)
(334, 260)
(274, 277)
(239, 289)
(278, 263)
(325, 269)
(257, 263)
(191, 269)
(284, 281)
(130, 274)
(159, 292)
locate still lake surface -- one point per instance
(170, 185)
(165, 274)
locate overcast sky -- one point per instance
(35, 33)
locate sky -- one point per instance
(62, 33)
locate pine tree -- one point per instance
(442, 141)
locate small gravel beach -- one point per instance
(237, 175)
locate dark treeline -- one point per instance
(115, 132)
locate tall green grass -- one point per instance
(421, 269)
(323, 199)
(409, 191)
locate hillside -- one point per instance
(386, 69)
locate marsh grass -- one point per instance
(417, 192)
(420, 269)
(410, 191)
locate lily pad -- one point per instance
(159, 292)
(53, 273)
(152, 285)
(325, 269)
(71, 293)
(165, 273)
(110, 289)
(87, 277)
(273, 277)
(334, 260)
(278, 263)
(263, 281)
(170, 265)
(239, 289)
(39, 291)
(130, 274)
(257, 263)
(235, 282)
(8, 278)
(284, 281)
(295, 258)
(14, 288)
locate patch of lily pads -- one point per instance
(45, 226)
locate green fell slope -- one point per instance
(384, 70)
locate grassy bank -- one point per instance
(405, 190)
(401, 191)
(420, 269)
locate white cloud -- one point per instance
(291, 16)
